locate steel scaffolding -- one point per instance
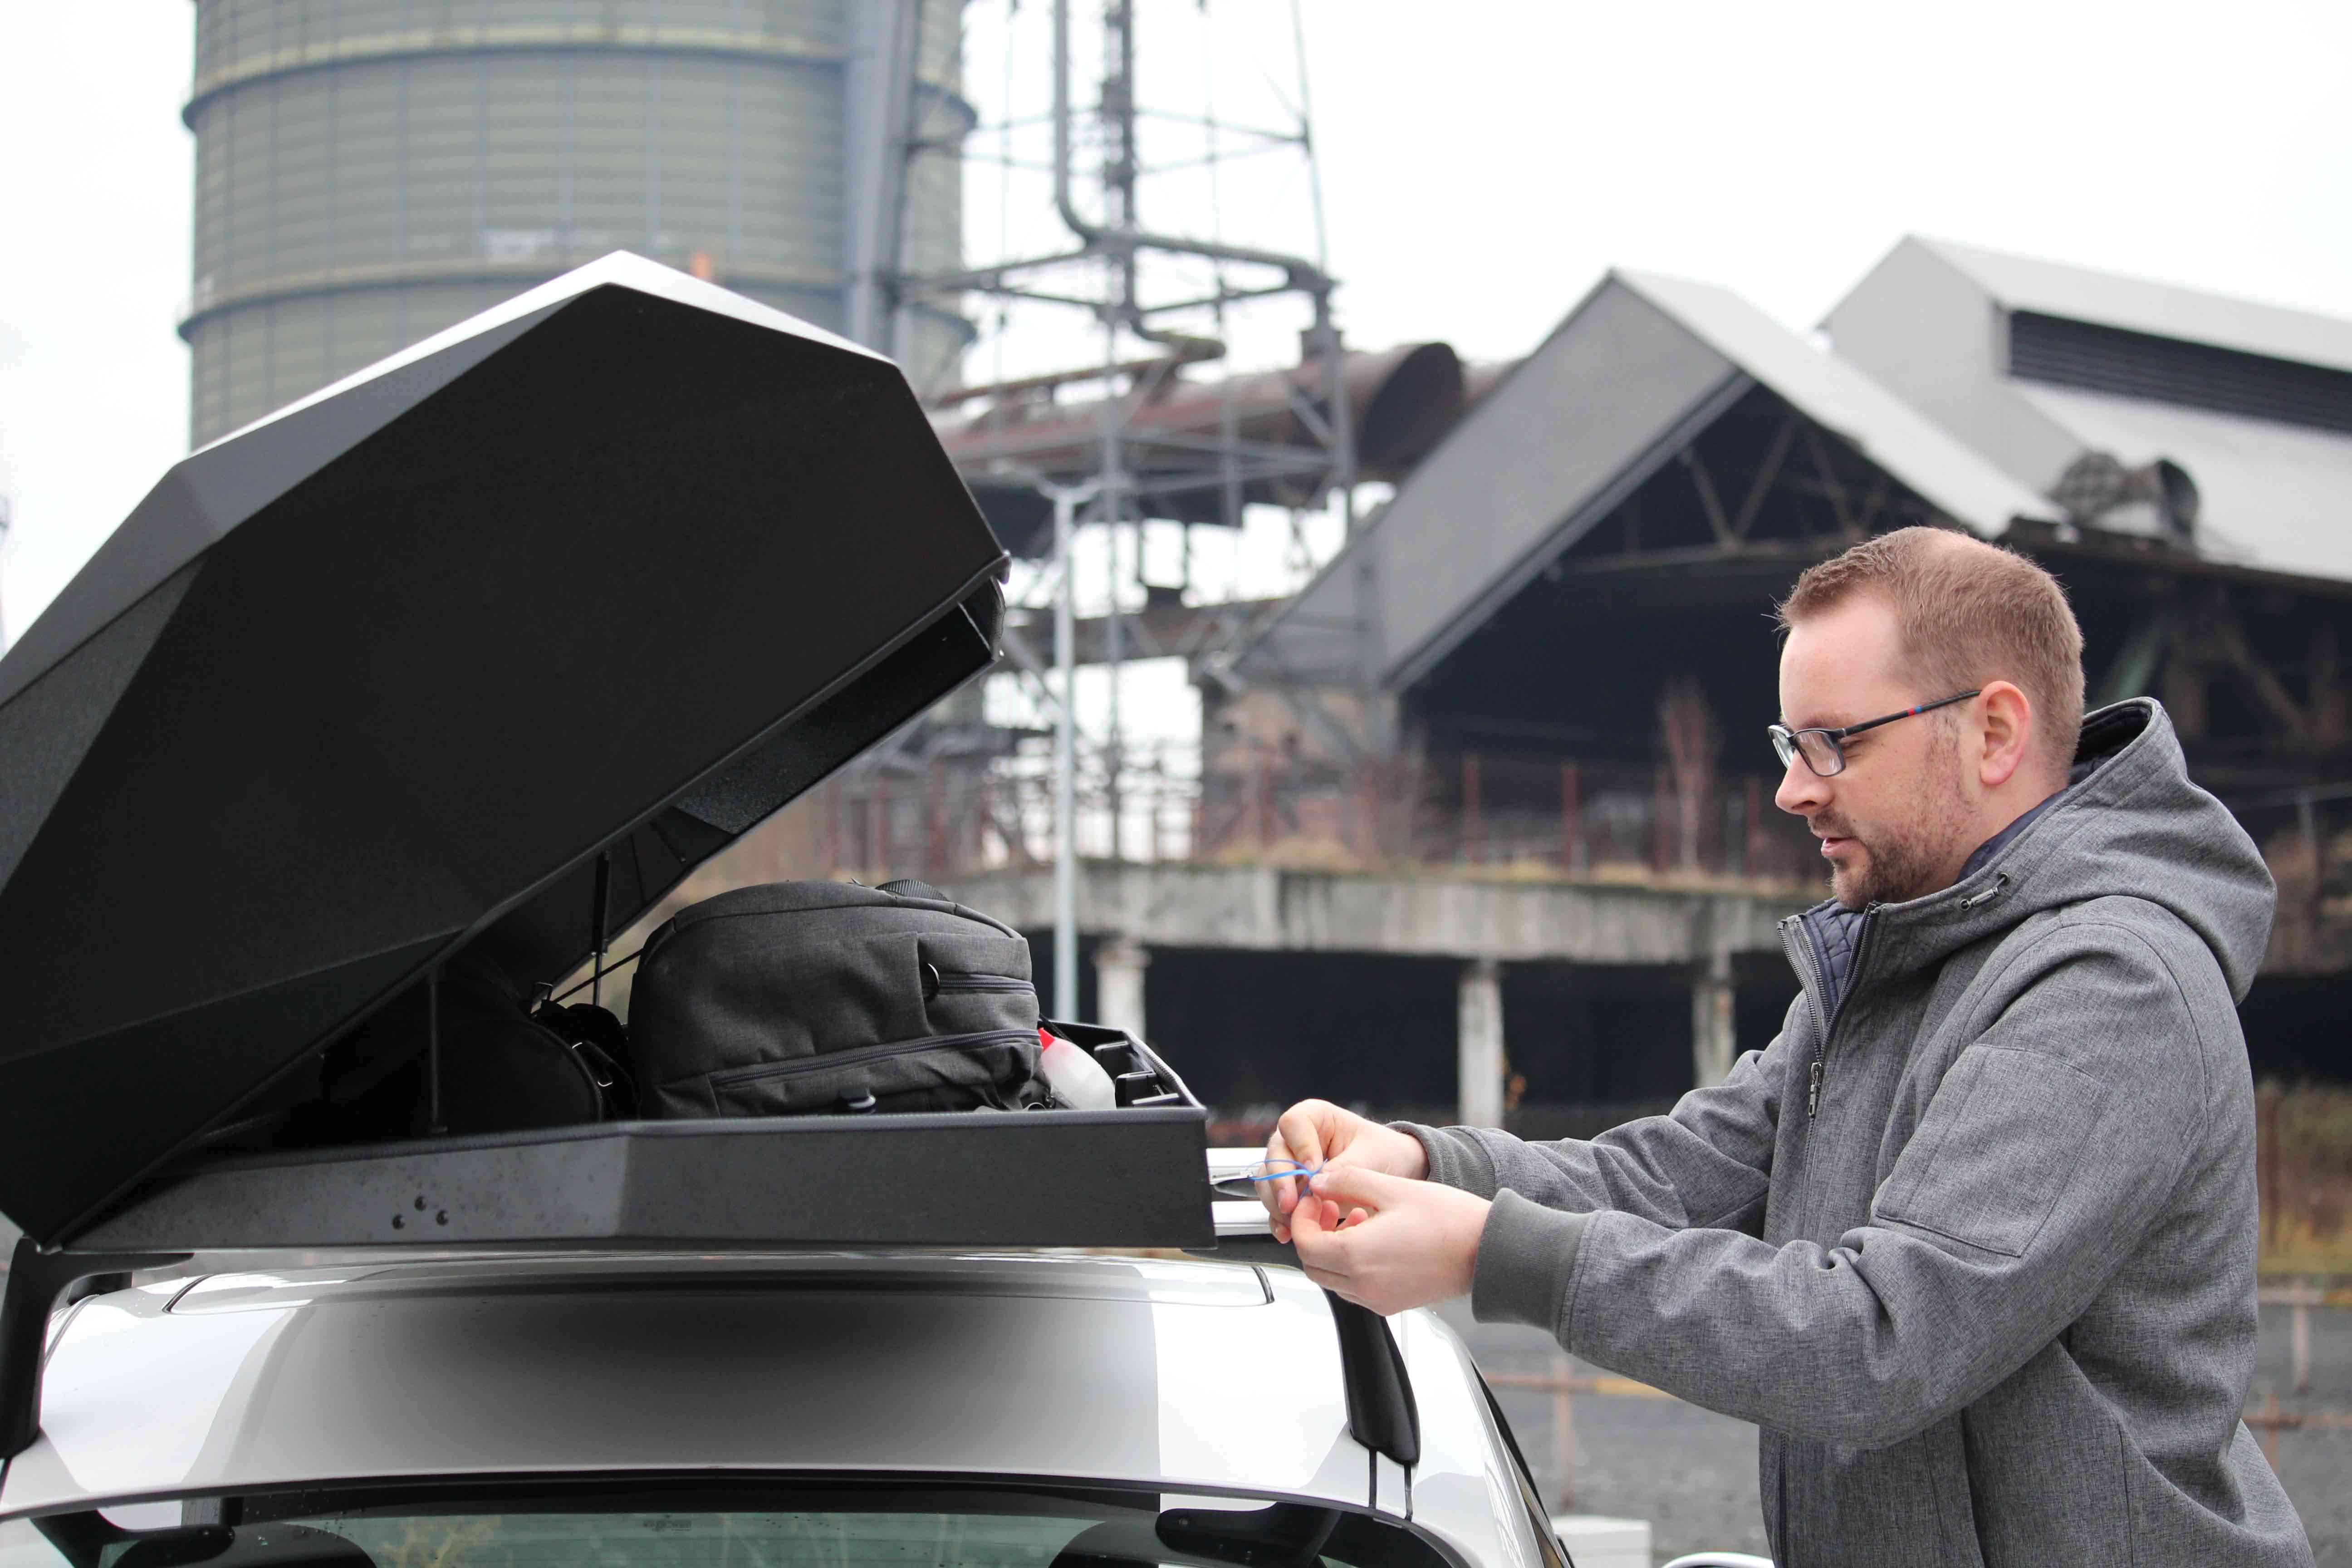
(1140, 310)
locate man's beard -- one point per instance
(1898, 868)
(1892, 872)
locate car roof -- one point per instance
(1166, 1372)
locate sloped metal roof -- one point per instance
(2277, 497)
(1962, 484)
(2140, 305)
(1640, 366)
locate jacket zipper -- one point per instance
(832, 1059)
(1845, 996)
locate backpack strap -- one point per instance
(923, 896)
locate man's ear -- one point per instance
(2007, 729)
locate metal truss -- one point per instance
(1151, 443)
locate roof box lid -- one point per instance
(621, 566)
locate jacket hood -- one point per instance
(2133, 826)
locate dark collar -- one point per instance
(1999, 841)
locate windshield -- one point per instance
(624, 1526)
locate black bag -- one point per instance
(810, 997)
(504, 1068)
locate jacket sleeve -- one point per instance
(2052, 1144)
(1706, 1163)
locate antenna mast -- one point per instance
(1174, 375)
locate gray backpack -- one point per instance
(801, 998)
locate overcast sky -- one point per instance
(1483, 161)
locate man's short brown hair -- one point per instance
(1969, 612)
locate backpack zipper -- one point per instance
(832, 1059)
(934, 982)
(952, 982)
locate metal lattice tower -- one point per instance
(1150, 305)
(1171, 299)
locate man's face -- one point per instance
(1894, 826)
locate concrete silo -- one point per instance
(371, 170)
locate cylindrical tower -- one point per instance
(369, 171)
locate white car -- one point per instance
(905, 1409)
(898, 1410)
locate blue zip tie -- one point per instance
(1258, 1173)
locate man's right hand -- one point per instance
(1318, 1133)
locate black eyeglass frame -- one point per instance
(1788, 744)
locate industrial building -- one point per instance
(1479, 822)
(1507, 846)
(371, 172)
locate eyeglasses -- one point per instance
(1820, 748)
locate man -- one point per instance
(1973, 1240)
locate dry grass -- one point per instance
(2307, 1167)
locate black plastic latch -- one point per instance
(37, 1283)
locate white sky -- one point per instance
(1482, 163)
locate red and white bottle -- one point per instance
(1074, 1074)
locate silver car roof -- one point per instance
(1167, 1374)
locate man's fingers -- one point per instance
(1279, 1195)
(1298, 1140)
(1302, 1130)
(1307, 1219)
(1314, 1231)
(1355, 1185)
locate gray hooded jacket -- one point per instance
(1975, 1246)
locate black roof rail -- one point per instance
(37, 1283)
(1382, 1413)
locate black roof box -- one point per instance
(621, 566)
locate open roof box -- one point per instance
(605, 575)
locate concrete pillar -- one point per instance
(1118, 985)
(1478, 1046)
(1713, 1045)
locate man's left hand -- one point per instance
(1402, 1244)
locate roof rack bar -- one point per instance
(1381, 1413)
(37, 1282)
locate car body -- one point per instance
(1203, 1383)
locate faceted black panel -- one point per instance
(627, 572)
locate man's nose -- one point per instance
(1802, 792)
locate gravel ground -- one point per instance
(1692, 1473)
(2315, 1462)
